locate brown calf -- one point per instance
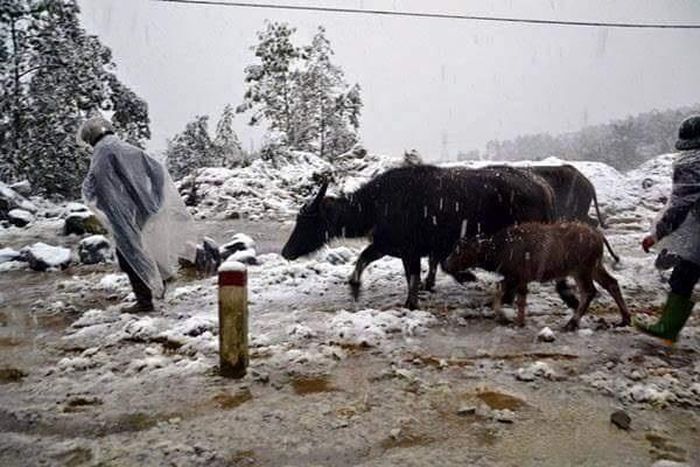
(541, 252)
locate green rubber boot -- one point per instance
(676, 313)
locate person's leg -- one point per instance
(144, 297)
(678, 305)
(684, 277)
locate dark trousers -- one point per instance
(684, 277)
(141, 290)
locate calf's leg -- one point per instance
(608, 282)
(368, 256)
(587, 291)
(567, 294)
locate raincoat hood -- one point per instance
(137, 201)
(689, 134)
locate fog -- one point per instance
(440, 86)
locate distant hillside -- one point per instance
(623, 144)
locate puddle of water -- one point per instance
(80, 404)
(11, 375)
(304, 385)
(10, 342)
(75, 457)
(500, 401)
(231, 401)
(134, 422)
(407, 440)
(663, 448)
(241, 458)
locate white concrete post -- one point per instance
(233, 319)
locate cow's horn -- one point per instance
(321, 194)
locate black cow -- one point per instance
(418, 211)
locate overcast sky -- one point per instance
(439, 86)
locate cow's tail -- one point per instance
(602, 224)
(612, 253)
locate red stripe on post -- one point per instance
(233, 278)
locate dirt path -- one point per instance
(466, 392)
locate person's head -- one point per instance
(689, 134)
(94, 129)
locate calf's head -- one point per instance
(312, 229)
(465, 255)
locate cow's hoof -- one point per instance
(571, 326)
(502, 320)
(411, 304)
(626, 321)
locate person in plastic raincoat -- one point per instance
(678, 232)
(136, 200)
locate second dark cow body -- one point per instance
(421, 211)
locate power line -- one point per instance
(410, 14)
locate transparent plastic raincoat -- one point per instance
(136, 200)
(678, 227)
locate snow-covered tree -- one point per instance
(226, 144)
(299, 91)
(54, 77)
(271, 81)
(192, 149)
(331, 109)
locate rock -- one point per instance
(503, 416)
(208, 257)
(649, 393)
(8, 254)
(621, 420)
(20, 217)
(244, 256)
(239, 242)
(10, 199)
(42, 256)
(24, 188)
(395, 433)
(466, 410)
(94, 249)
(82, 222)
(546, 335)
(76, 207)
(535, 370)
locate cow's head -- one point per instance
(311, 231)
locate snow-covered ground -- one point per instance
(334, 381)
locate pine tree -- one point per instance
(331, 107)
(227, 147)
(271, 81)
(192, 149)
(56, 75)
(301, 93)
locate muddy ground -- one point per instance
(467, 391)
